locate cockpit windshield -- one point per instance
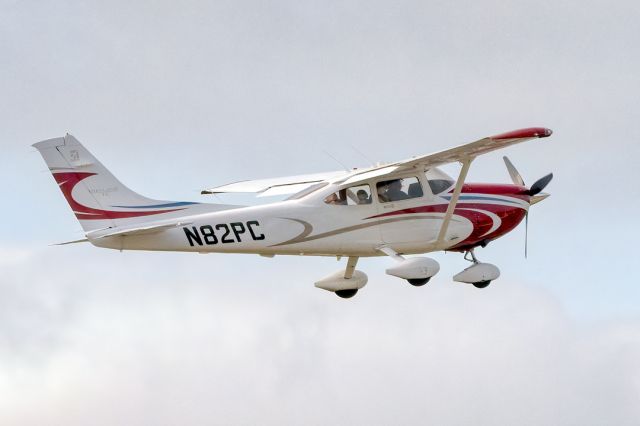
(439, 181)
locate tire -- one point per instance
(417, 282)
(482, 284)
(346, 294)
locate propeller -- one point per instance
(535, 191)
(513, 172)
(540, 184)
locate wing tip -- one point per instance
(531, 132)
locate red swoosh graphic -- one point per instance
(68, 180)
(482, 223)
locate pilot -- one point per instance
(382, 193)
(394, 191)
(363, 197)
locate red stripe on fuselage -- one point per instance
(68, 180)
(509, 215)
(504, 189)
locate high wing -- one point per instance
(276, 186)
(460, 153)
(467, 152)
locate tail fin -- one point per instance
(97, 198)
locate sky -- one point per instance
(177, 97)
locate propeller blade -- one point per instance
(538, 197)
(540, 184)
(513, 172)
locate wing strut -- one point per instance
(454, 200)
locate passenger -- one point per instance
(363, 197)
(394, 191)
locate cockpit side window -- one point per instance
(352, 196)
(399, 189)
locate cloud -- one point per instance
(111, 338)
(12, 256)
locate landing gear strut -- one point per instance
(475, 261)
(473, 257)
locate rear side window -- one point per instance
(399, 189)
(352, 196)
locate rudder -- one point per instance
(97, 198)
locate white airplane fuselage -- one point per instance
(408, 207)
(308, 226)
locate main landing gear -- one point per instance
(345, 283)
(346, 294)
(416, 270)
(479, 274)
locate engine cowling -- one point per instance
(479, 272)
(337, 281)
(414, 268)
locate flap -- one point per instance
(285, 185)
(133, 230)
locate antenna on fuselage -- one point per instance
(371, 163)
(337, 161)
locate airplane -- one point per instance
(398, 209)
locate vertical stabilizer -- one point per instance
(97, 198)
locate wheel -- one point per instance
(418, 281)
(482, 284)
(345, 294)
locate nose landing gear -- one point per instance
(479, 274)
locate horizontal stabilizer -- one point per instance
(84, 240)
(140, 230)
